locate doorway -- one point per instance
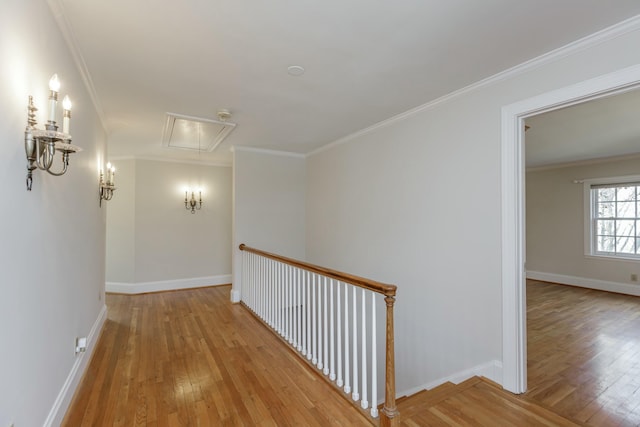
(513, 216)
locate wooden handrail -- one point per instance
(372, 285)
(389, 413)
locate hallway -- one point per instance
(193, 358)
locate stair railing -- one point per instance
(330, 319)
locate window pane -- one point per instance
(625, 228)
(606, 210)
(606, 244)
(615, 208)
(626, 194)
(606, 227)
(626, 210)
(606, 194)
(625, 245)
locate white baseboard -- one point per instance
(491, 370)
(167, 285)
(60, 406)
(583, 282)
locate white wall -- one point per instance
(52, 251)
(555, 228)
(269, 205)
(417, 202)
(121, 216)
(154, 243)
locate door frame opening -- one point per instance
(514, 333)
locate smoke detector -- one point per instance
(196, 133)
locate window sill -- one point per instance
(611, 258)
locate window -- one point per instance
(615, 219)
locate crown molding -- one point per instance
(165, 160)
(266, 151)
(57, 10)
(602, 36)
(585, 162)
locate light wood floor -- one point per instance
(191, 358)
(476, 402)
(584, 353)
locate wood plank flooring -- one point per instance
(475, 402)
(191, 358)
(584, 353)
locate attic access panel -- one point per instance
(194, 133)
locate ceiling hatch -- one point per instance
(195, 133)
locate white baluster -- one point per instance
(347, 340)
(265, 290)
(364, 403)
(274, 287)
(299, 309)
(290, 304)
(374, 359)
(332, 348)
(308, 313)
(339, 382)
(256, 303)
(326, 330)
(255, 283)
(314, 326)
(286, 302)
(246, 297)
(260, 287)
(303, 310)
(252, 282)
(293, 308)
(272, 282)
(355, 395)
(277, 287)
(243, 277)
(263, 296)
(320, 324)
(280, 299)
(256, 278)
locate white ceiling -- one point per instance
(365, 60)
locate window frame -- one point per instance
(590, 225)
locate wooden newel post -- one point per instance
(389, 413)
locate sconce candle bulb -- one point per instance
(66, 117)
(54, 87)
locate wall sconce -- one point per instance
(41, 145)
(192, 204)
(107, 187)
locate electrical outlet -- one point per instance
(634, 277)
(81, 345)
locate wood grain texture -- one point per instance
(583, 369)
(191, 358)
(584, 353)
(475, 402)
(372, 285)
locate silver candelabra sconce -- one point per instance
(192, 204)
(41, 145)
(107, 186)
